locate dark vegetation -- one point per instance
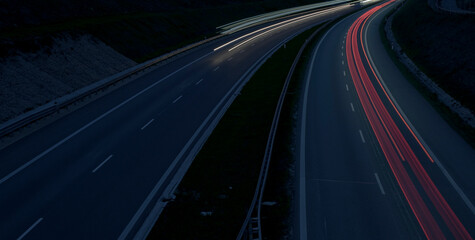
(138, 29)
(223, 176)
(465, 130)
(280, 188)
(442, 45)
(466, 4)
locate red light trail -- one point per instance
(394, 145)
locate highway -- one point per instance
(102, 171)
(377, 161)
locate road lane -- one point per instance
(343, 197)
(453, 186)
(423, 197)
(60, 188)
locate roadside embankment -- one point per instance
(436, 48)
(441, 45)
(29, 80)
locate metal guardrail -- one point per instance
(252, 223)
(25, 119)
(218, 112)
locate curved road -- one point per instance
(98, 172)
(376, 160)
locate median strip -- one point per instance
(213, 197)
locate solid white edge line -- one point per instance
(379, 184)
(102, 163)
(30, 228)
(361, 135)
(146, 125)
(426, 146)
(25, 165)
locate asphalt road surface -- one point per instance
(376, 160)
(98, 172)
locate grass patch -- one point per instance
(454, 120)
(223, 176)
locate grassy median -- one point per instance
(277, 220)
(215, 194)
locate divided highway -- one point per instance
(376, 160)
(98, 172)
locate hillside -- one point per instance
(30, 80)
(441, 44)
(94, 39)
(138, 29)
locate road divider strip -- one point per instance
(259, 191)
(157, 200)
